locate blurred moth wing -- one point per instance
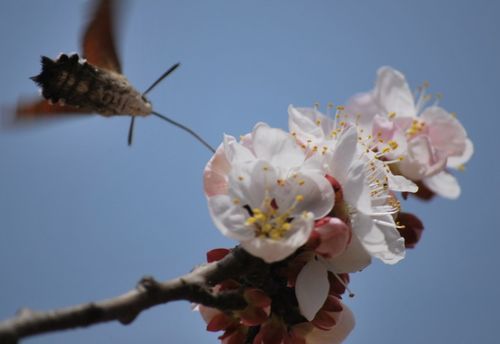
(98, 42)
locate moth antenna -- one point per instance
(131, 130)
(153, 85)
(183, 127)
(163, 76)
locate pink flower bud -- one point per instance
(334, 235)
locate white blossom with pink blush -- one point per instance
(370, 207)
(434, 139)
(266, 193)
(365, 187)
(319, 133)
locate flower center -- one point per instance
(268, 222)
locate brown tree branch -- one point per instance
(195, 286)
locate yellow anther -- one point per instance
(340, 108)
(250, 221)
(267, 227)
(301, 182)
(461, 168)
(329, 105)
(318, 122)
(391, 115)
(342, 123)
(299, 198)
(393, 144)
(236, 201)
(265, 168)
(280, 182)
(275, 235)
(260, 217)
(240, 178)
(286, 226)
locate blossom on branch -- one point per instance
(433, 139)
(266, 192)
(363, 181)
(320, 202)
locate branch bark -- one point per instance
(195, 286)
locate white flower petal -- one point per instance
(379, 236)
(344, 154)
(401, 184)
(215, 174)
(355, 188)
(235, 152)
(309, 124)
(457, 162)
(395, 182)
(274, 250)
(444, 184)
(393, 93)
(278, 147)
(228, 218)
(298, 235)
(350, 171)
(311, 288)
(317, 192)
(445, 131)
(353, 259)
(249, 182)
(269, 250)
(363, 107)
(422, 160)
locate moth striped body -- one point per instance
(69, 80)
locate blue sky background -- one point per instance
(83, 216)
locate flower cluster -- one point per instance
(320, 201)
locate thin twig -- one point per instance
(194, 287)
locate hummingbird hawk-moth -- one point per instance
(94, 83)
